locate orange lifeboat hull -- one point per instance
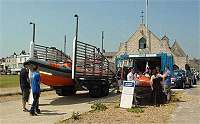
(144, 81)
(53, 74)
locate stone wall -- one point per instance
(157, 45)
(180, 61)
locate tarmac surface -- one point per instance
(188, 112)
(53, 108)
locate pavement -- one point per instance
(188, 112)
(53, 108)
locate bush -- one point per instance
(98, 107)
(75, 116)
(135, 110)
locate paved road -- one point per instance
(53, 108)
(188, 112)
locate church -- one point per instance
(143, 41)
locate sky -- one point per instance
(119, 19)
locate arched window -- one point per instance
(142, 43)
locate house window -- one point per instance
(142, 43)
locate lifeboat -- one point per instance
(54, 74)
(143, 81)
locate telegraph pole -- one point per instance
(65, 39)
(102, 38)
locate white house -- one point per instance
(14, 63)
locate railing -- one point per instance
(90, 62)
(49, 54)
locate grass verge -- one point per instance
(7, 81)
(135, 110)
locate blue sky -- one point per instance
(119, 19)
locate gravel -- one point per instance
(116, 115)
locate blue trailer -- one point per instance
(140, 61)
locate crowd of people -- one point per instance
(133, 74)
(157, 80)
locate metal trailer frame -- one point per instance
(91, 69)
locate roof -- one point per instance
(177, 50)
(164, 38)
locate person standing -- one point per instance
(167, 78)
(35, 86)
(167, 82)
(25, 86)
(119, 73)
(131, 75)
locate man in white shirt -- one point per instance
(130, 75)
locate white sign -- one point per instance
(127, 94)
(142, 55)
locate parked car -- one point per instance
(178, 79)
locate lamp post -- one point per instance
(31, 23)
(74, 49)
(76, 16)
(102, 38)
(31, 56)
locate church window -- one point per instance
(142, 43)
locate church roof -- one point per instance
(164, 38)
(177, 50)
(142, 29)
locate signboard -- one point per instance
(127, 94)
(142, 55)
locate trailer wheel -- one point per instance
(105, 90)
(95, 92)
(66, 91)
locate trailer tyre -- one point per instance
(66, 91)
(105, 90)
(95, 92)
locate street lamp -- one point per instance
(31, 23)
(76, 16)
(74, 49)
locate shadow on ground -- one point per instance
(80, 98)
(47, 112)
